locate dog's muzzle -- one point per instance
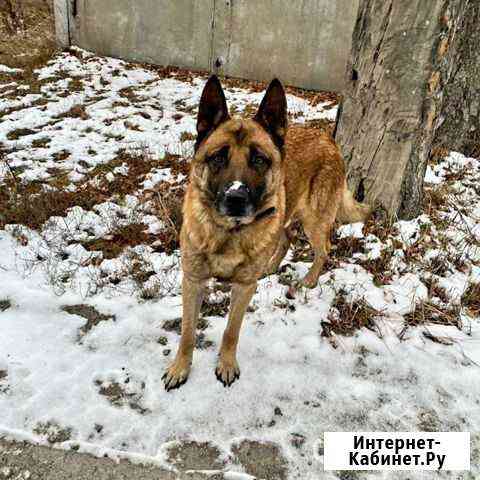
(235, 200)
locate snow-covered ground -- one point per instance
(96, 385)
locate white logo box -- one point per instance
(397, 451)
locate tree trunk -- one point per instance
(399, 62)
(459, 127)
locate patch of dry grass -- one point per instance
(5, 304)
(347, 317)
(33, 203)
(19, 133)
(122, 237)
(344, 248)
(53, 432)
(380, 267)
(33, 45)
(30, 204)
(118, 395)
(139, 163)
(471, 299)
(90, 314)
(169, 203)
(428, 313)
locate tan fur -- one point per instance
(350, 211)
(308, 184)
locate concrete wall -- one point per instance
(167, 32)
(304, 42)
(62, 33)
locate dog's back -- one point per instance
(315, 178)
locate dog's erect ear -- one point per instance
(212, 110)
(272, 113)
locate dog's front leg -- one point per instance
(227, 370)
(192, 296)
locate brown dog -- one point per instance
(250, 179)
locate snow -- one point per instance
(5, 69)
(354, 230)
(371, 381)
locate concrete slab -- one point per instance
(304, 43)
(155, 31)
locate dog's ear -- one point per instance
(272, 113)
(212, 110)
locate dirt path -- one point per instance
(191, 461)
(21, 461)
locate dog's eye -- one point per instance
(259, 162)
(218, 160)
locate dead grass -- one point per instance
(471, 299)
(92, 315)
(5, 304)
(33, 46)
(215, 308)
(187, 136)
(77, 111)
(380, 267)
(169, 203)
(121, 238)
(139, 163)
(41, 142)
(53, 432)
(118, 396)
(428, 313)
(33, 203)
(30, 204)
(346, 317)
(301, 250)
(19, 133)
(380, 224)
(344, 248)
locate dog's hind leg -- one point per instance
(192, 294)
(319, 237)
(227, 370)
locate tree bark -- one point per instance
(459, 126)
(392, 106)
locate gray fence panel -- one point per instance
(163, 32)
(304, 42)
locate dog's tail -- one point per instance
(350, 211)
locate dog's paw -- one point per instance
(227, 371)
(176, 374)
(310, 280)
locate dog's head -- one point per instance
(237, 162)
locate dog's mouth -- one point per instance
(236, 223)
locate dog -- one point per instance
(250, 179)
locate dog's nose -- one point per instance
(236, 199)
(237, 192)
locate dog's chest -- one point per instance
(225, 263)
(240, 262)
